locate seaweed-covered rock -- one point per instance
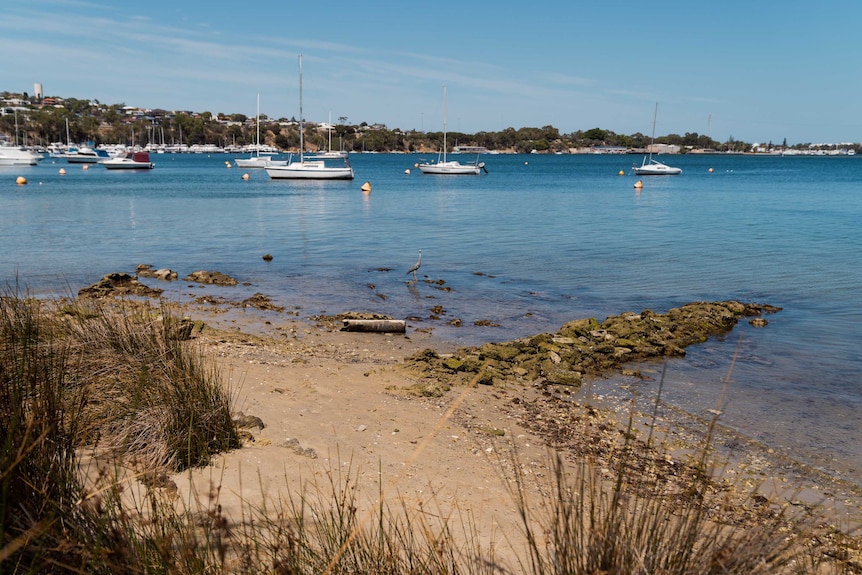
(215, 278)
(579, 327)
(586, 346)
(118, 284)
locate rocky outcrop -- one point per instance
(215, 278)
(147, 271)
(118, 284)
(585, 346)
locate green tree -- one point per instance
(595, 136)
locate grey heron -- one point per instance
(416, 266)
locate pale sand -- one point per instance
(332, 403)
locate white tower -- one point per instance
(37, 91)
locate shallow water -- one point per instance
(537, 241)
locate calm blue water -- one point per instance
(536, 242)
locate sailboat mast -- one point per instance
(652, 140)
(257, 121)
(301, 143)
(444, 124)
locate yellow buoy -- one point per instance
(21, 180)
(416, 165)
(366, 187)
(245, 176)
(639, 184)
(62, 171)
(622, 173)
(407, 171)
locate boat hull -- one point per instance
(310, 171)
(17, 157)
(655, 171)
(87, 156)
(656, 168)
(131, 161)
(254, 162)
(82, 159)
(450, 168)
(109, 165)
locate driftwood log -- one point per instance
(375, 325)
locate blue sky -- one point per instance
(755, 70)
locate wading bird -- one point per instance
(416, 266)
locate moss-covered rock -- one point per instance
(586, 346)
(579, 327)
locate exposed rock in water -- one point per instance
(118, 284)
(585, 346)
(147, 271)
(205, 277)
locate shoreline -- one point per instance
(258, 351)
(566, 378)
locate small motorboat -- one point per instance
(130, 161)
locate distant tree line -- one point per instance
(92, 121)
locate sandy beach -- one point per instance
(333, 405)
(323, 406)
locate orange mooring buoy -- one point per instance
(639, 184)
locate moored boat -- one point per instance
(85, 155)
(653, 167)
(450, 167)
(313, 169)
(130, 161)
(650, 167)
(18, 156)
(255, 160)
(310, 170)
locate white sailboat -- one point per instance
(17, 155)
(314, 169)
(256, 160)
(651, 167)
(450, 167)
(329, 153)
